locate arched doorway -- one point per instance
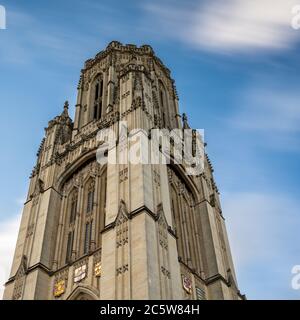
(84, 293)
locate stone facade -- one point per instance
(119, 231)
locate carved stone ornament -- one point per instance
(98, 269)
(187, 284)
(20, 279)
(59, 288)
(39, 188)
(80, 273)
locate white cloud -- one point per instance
(243, 25)
(231, 25)
(29, 39)
(8, 238)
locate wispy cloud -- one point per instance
(25, 38)
(28, 39)
(228, 26)
(8, 238)
(9, 228)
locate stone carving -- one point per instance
(30, 230)
(20, 279)
(80, 270)
(98, 269)
(187, 284)
(123, 175)
(80, 273)
(156, 177)
(166, 272)
(60, 283)
(122, 269)
(59, 288)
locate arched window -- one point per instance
(73, 207)
(87, 237)
(97, 96)
(88, 219)
(70, 246)
(186, 222)
(163, 105)
(82, 213)
(161, 94)
(90, 198)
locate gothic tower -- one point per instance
(119, 230)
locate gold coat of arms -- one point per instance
(59, 288)
(98, 269)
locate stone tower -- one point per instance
(119, 230)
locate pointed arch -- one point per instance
(162, 227)
(161, 218)
(72, 204)
(77, 166)
(122, 225)
(70, 219)
(74, 168)
(122, 215)
(84, 292)
(162, 94)
(89, 194)
(81, 222)
(20, 279)
(96, 97)
(122, 230)
(163, 256)
(179, 171)
(184, 196)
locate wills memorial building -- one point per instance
(93, 231)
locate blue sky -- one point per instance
(236, 66)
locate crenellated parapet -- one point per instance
(127, 49)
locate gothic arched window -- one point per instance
(163, 105)
(97, 96)
(70, 246)
(89, 194)
(87, 237)
(73, 208)
(90, 198)
(83, 213)
(186, 225)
